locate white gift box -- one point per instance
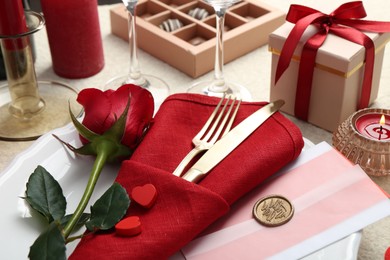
(337, 78)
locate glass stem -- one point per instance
(135, 76)
(219, 80)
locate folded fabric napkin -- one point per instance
(183, 209)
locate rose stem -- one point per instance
(104, 150)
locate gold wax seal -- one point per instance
(273, 210)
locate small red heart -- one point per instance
(144, 195)
(387, 254)
(130, 226)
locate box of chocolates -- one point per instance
(182, 33)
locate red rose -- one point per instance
(102, 109)
(114, 124)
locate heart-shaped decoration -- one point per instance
(387, 254)
(130, 226)
(144, 195)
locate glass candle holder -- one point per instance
(30, 108)
(364, 138)
(22, 83)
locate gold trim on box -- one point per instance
(327, 68)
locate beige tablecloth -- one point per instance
(251, 70)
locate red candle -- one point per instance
(12, 22)
(12, 19)
(74, 37)
(374, 126)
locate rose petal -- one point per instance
(97, 108)
(118, 100)
(102, 109)
(140, 112)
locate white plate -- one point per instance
(19, 230)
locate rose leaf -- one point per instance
(49, 245)
(44, 194)
(109, 208)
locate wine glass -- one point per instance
(155, 85)
(219, 86)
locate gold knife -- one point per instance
(230, 141)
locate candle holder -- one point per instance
(30, 108)
(363, 140)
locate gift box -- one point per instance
(191, 48)
(337, 77)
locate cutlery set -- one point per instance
(209, 134)
(220, 144)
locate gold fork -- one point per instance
(208, 135)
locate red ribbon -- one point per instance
(343, 22)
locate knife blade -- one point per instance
(230, 141)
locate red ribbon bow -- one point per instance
(343, 22)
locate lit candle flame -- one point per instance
(382, 121)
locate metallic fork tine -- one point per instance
(229, 125)
(208, 135)
(216, 122)
(210, 120)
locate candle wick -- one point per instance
(380, 132)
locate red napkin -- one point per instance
(183, 209)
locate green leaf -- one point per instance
(81, 222)
(109, 208)
(49, 245)
(44, 194)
